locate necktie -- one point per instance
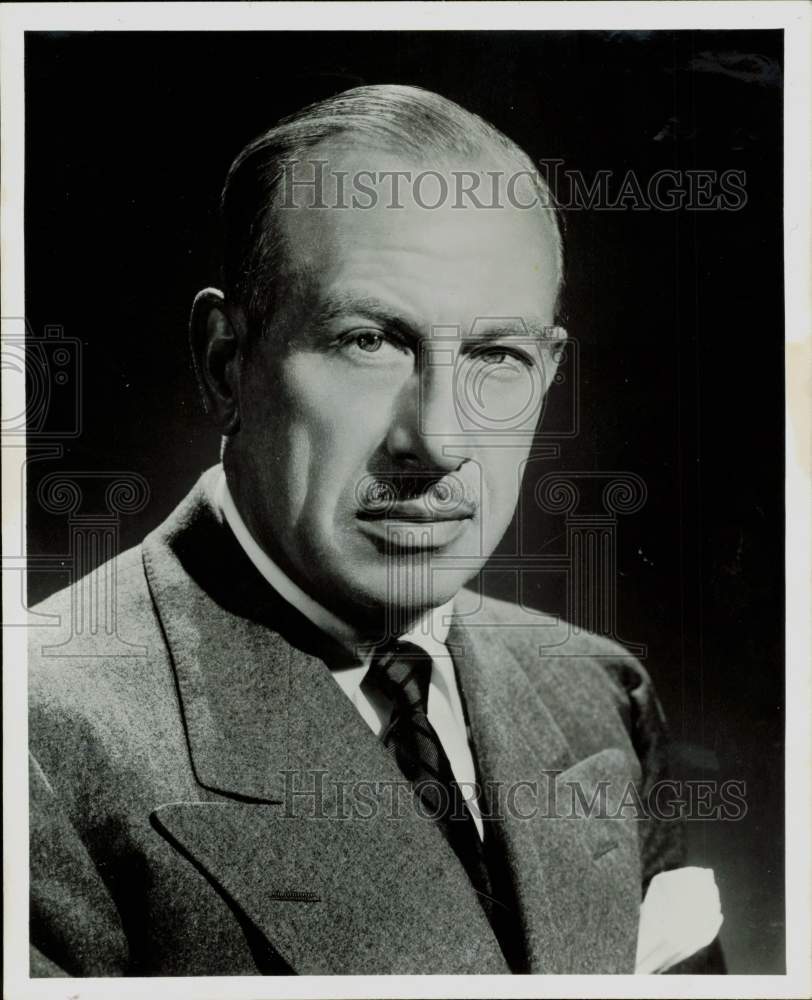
(402, 671)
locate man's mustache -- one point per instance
(447, 495)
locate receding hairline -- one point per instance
(336, 154)
(423, 127)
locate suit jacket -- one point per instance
(190, 812)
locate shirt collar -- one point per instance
(429, 632)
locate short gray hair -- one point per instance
(404, 119)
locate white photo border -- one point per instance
(794, 18)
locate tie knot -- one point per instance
(402, 671)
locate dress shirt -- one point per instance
(445, 711)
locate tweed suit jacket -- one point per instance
(189, 804)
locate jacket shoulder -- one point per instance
(105, 615)
(565, 663)
(98, 665)
(550, 634)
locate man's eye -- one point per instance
(503, 358)
(496, 357)
(372, 342)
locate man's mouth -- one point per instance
(432, 520)
(418, 511)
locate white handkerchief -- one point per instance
(680, 914)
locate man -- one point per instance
(331, 758)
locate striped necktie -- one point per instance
(402, 672)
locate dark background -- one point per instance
(678, 318)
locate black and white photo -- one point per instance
(395, 512)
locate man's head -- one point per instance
(380, 356)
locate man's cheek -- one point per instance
(326, 461)
(500, 493)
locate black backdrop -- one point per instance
(678, 317)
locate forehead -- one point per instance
(390, 227)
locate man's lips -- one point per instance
(410, 526)
(418, 511)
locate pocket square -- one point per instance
(680, 915)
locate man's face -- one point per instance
(386, 414)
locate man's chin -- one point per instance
(402, 591)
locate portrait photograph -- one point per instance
(406, 465)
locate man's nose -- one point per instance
(425, 427)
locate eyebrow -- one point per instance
(345, 304)
(513, 326)
(373, 308)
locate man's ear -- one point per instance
(216, 337)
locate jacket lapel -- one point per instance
(576, 878)
(318, 841)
